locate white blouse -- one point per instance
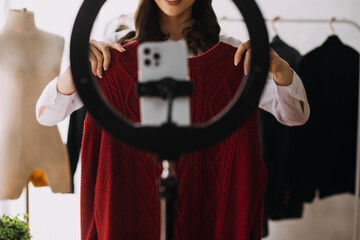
(288, 104)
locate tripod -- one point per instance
(168, 89)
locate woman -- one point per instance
(221, 189)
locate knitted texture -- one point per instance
(221, 188)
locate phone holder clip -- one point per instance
(162, 88)
(166, 88)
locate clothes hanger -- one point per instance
(333, 37)
(273, 25)
(331, 26)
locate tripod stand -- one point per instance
(168, 89)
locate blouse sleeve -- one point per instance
(288, 104)
(57, 106)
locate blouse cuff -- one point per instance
(295, 89)
(70, 102)
(51, 96)
(58, 105)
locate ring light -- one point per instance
(170, 141)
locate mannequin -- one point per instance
(29, 58)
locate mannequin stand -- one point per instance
(27, 218)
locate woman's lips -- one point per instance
(173, 2)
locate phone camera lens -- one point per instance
(147, 51)
(147, 62)
(157, 56)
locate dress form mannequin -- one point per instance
(29, 58)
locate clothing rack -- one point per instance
(295, 20)
(356, 231)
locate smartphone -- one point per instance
(157, 60)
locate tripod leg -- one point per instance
(168, 193)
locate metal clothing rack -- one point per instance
(356, 231)
(299, 20)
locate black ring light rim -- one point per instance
(170, 141)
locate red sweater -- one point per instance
(221, 188)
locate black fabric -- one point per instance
(279, 144)
(330, 74)
(74, 139)
(286, 52)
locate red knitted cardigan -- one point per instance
(221, 188)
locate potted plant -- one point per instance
(14, 228)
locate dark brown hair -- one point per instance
(201, 36)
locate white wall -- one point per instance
(56, 216)
(303, 36)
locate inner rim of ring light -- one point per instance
(170, 141)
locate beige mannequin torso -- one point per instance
(29, 59)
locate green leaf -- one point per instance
(14, 228)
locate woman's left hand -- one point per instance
(279, 68)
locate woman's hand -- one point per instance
(99, 55)
(279, 68)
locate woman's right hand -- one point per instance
(99, 55)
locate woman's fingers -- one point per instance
(240, 51)
(247, 61)
(99, 58)
(116, 46)
(244, 50)
(275, 62)
(93, 63)
(102, 48)
(101, 53)
(106, 52)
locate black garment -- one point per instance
(279, 144)
(286, 52)
(74, 139)
(330, 74)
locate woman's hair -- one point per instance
(201, 36)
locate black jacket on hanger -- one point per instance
(286, 52)
(74, 139)
(330, 74)
(279, 144)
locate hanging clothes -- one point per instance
(279, 146)
(286, 52)
(330, 74)
(74, 139)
